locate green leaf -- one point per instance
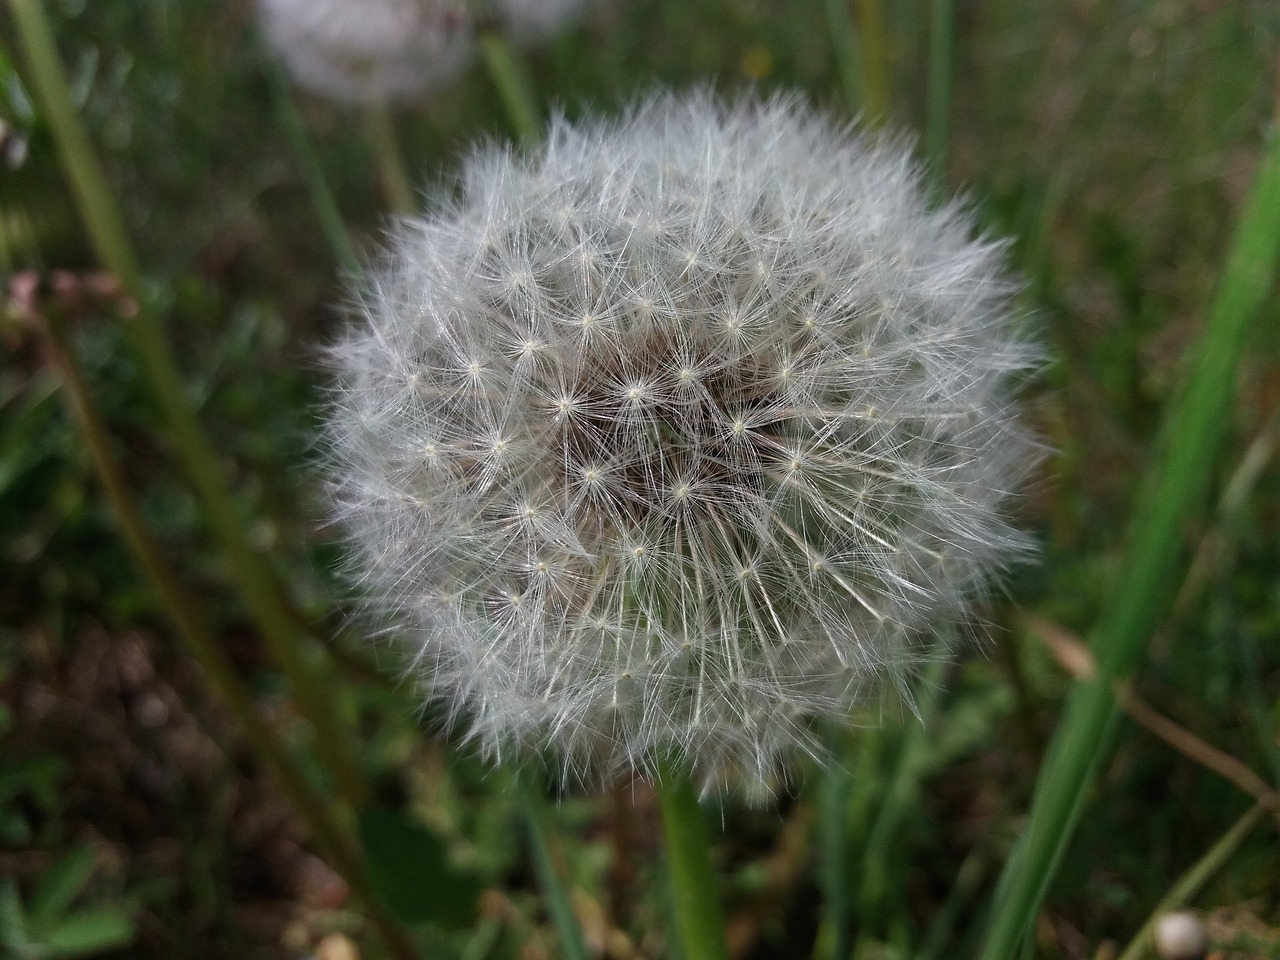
(410, 870)
(13, 923)
(91, 931)
(59, 886)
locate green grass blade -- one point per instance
(1151, 570)
(97, 207)
(514, 86)
(321, 197)
(939, 939)
(60, 886)
(190, 624)
(1195, 878)
(902, 787)
(397, 185)
(845, 43)
(873, 50)
(941, 66)
(553, 888)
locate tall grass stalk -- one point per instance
(321, 197)
(184, 612)
(874, 60)
(105, 225)
(514, 87)
(848, 893)
(1149, 576)
(101, 215)
(941, 68)
(862, 56)
(845, 42)
(553, 888)
(397, 187)
(939, 939)
(910, 762)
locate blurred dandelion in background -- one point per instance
(678, 434)
(382, 51)
(372, 52)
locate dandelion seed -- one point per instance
(695, 488)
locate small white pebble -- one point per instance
(1181, 936)
(336, 947)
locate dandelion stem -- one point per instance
(396, 185)
(514, 87)
(834, 938)
(318, 192)
(102, 218)
(693, 882)
(181, 607)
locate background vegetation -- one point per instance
(1114, 142)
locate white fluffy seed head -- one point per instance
(678, 435)
(369, 51)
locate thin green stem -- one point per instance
(909, 766)
(553, 888)
(396, 185)
(1195, 878)
(322, 201)
(181, 607)
(941, 69)
(693, 881)
(101, 216)
(940, 936)
(1149, 576)
(845, 43)
(874, 59)
(255, 578)
(514, 87)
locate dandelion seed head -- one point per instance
(682, 491)
(379, 51)
(370, 52)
